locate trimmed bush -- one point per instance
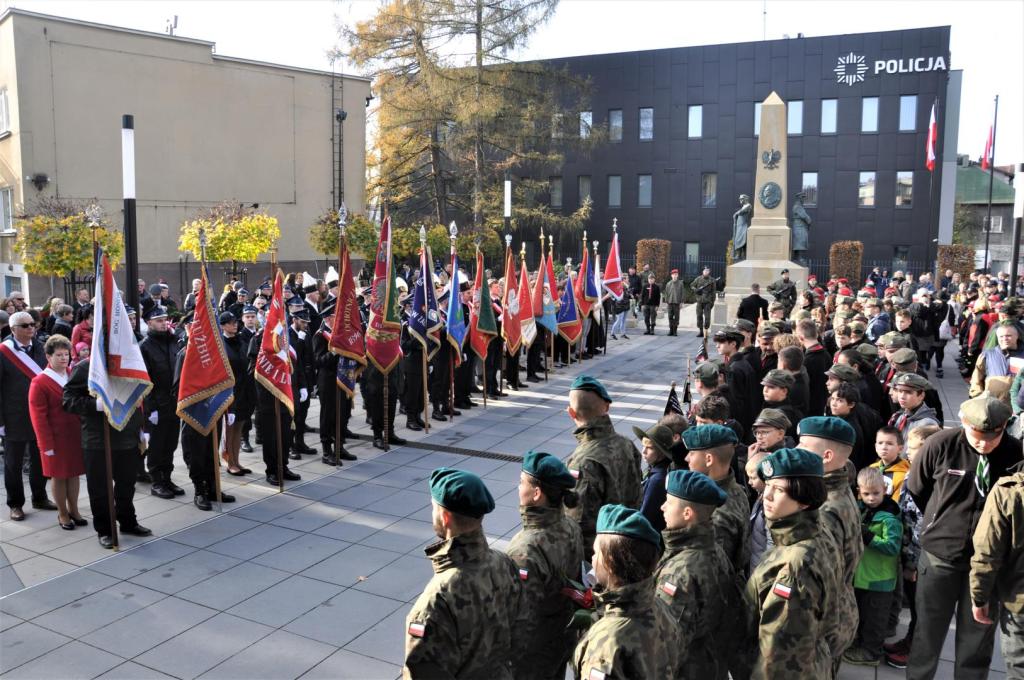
(958, 257)
(844, 260)
(655, 252)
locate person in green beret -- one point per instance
(792, 591)
(694, 577)
(606, 465)
(635, 634)
(548, 550)
(462, 624)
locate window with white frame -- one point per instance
(614, 125)
(555, 191)
(695, 128)
(997, 224)
(829, 108)
(795, 117)
(614, 191)
(6, 209)
(646, 124)
(5, 111)
(586, 122)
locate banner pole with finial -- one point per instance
(216, 444)
(425, 276)
(453, 232)
(338, 394)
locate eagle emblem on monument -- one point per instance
(771, 158)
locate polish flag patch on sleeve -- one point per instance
(782, 590)
(417, 629)
(524, 574)
(595, 674)
(668, 588)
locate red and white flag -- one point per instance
(986, 160)
(613, 270)
(933, 141)
(274, 362)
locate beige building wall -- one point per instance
(207, 129)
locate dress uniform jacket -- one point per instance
(840, 519)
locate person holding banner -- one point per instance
(327, 385)
(158, 351)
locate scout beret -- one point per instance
(776, 306)
(745, 326)
(784, 271)
(708, 437)
(801, 314)
(898, 341)
(460, 492)
(706, 372)
(912, 380)
(857, 327)
(845, 299)
(778, 378)
(985, 413)
(867, 350)
(695, 487)
(827, 427)
(903, 356)
(464, 286)
(790, 463)
(129, 309)
(243, 291)
(772, 417)
(618, 519)
(873, 302)
(767, 331)
(155, 312)
(660, 436)
(226, 317)
(844, 372)
(845, 314)
(590, 384)
(548, 469)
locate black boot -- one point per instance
(343, 454)
(411, 424)
(328, 457)
(396, 440)
(246, 446)
(438, 414)
(202, 497)
(169, 483)
(160, 488)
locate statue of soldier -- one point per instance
(740, 224)
(801, 228)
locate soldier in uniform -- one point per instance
(784, 291)
(303, 374)
(635, 635)
(463, 623)
(606, 465)
(248, 330)
(159, 350)
(327, 386)
(411, 364)
(704, 288)
(791, 595)
(694, 577)
(832, 439)
(547, 550)
(673, 296)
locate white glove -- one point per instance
(302, 335)
(303, 394)
(3, 431)
(144, 438)
(154, 417)
(231, 419)
(99, 406)
(51, 452)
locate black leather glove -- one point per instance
(867, 535)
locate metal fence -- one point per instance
(688, 267)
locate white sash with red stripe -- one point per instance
(22, 360)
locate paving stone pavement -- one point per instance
(312, 583)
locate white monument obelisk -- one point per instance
(769, 235)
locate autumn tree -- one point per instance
(56, 237)
(234, 233)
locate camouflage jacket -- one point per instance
(841, 521)
(607, 470)
(789, 599)
(461, 625)
(732, 526)
(695, 579)
(635, 637)
(997, 566)
(704, 288)
(548, 551)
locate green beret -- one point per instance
(706, 372)
(776, 306)
(843, 372)
(708, 437)
(745, 326)
(845, 300)
(867, 350)
(827, 427)
(873, 302)
(695, 487)
(460, 492)
(886, 338)
(801, 314)
(772, 417)
(589, 384)
(777, 377)
(857, 327)
(618, 519)
(911, 380)
(790, 463)
(660, 436)
(985, 413)
(548, 469)
(903, 356)
(898, 341)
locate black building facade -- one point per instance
(682, 140)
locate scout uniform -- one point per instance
(673, 296)
(905, 420)
(462, 623)
(780, 378)
(660, 437)
(548, 551)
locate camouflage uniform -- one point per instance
(695, 579)
(635, 636)
(790, 598)
(732, 526)
(548, 550)
(841, 521)
(461, 625)
(607, 470)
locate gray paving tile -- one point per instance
(438, 459)
(286, 600)
(8, 621)
(202, 647)
(343, 618)
(356, 525)
(31, 602)
(185, 572)
(9, 581)
(402, 456)
(279, 655)
(401, 580)
(363, 471)
(274, 506)
(300, 554)
(73, 661)
(217, 529)
(345, 665)
(40, 568)
(350, 565)
(130, 670)
(149, 627)
(385, 640)
(310, 517)
(141, 559)
(481, 466)
(234, 585)
(403, 504)
(402, 536)
(25, 642)
(318, 489)
(99, 609)
(47, 539)
(403, 477)
(255, 541)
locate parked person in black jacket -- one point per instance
(753, 308)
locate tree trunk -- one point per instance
(478, 147)
(440, 200)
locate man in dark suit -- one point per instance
(303, 375)
(753, 308)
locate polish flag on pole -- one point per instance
(986, 160)
(933, 140)
(612, 268)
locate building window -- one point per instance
(866, 190)
(643, 191)
(11, 284)
(810, 188)
(900, 255)
(795, 116)
(829, 108)
(757, 119)
(691, 250)
(646, 124)
(557, 126)
(708, 189)
(869, 114)
(586, 122)
(997, 224)
(696, 121)
(904, 188)
(555, 191)
(614, 191)
(583, 188)
(615, 125)
(908, 113)
(6, 209)
(5, 111)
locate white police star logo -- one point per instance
(850, 69)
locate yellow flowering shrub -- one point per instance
(361, 233)
(233, 232)
(57, 245)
